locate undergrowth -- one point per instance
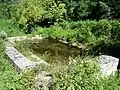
(10, 28)
(9, 78)
(82, 74)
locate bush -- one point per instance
(33, 12)
(87, 9)
(84, 31)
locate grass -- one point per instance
(10, 28)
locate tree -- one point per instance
(86, 9)
(114, 6)
(6, 7)
(32, 12)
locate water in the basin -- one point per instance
(53, 51)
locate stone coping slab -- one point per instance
(21, 62)
(21, 38)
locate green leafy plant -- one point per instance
(10, 28)
(33, 12)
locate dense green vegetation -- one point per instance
(31, 13)
(92, 23)
(10, 28)
(83, 74)
(10, 80)
(83, 31)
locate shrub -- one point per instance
(33, 12)
(84, 31)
